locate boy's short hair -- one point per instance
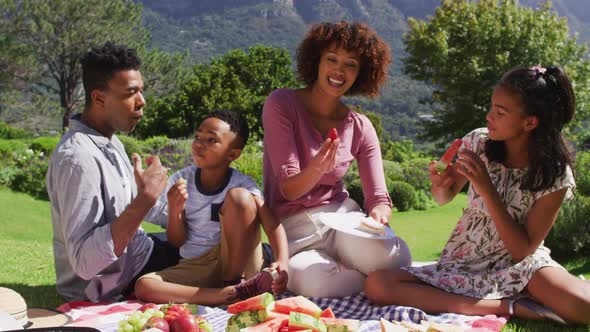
(236, 122)
(101, 63)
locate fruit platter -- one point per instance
(263, 313)
(166, 318)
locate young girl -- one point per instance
(303, 168)
(519, 173)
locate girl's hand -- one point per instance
(473, 168)
(443, 180)
(381, 213)
(177, 196)
(280, 284)
(325, 160)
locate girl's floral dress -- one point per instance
(474, 262)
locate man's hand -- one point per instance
(279, 285)
(152, 181)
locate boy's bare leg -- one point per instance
(402, 288)
(157, 291)
(566, 295)
(241, 232)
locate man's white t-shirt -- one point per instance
(202, 208)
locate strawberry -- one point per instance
(172, 311)
(333, 134)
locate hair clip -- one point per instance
(539, 69)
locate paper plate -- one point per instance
(349, 223)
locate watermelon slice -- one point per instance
(297, 304)
(249, 318)
(341, 325)
(272, 314)
(258, 302)
(442, 164)
(328, 313)
(299, 321)
(274, 325)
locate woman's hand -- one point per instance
(381, 213)
(473, 168)
(279, 285)
(325, 160)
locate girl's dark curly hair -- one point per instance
(374, 53)
(547, 94)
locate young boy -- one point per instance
(217, 230)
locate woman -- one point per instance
(304, 168)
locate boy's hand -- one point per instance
(279, 285)
(177, 196)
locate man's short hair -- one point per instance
(101, 63)
(236, 122)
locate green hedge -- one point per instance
(355, 191)
(583, 172)
(8, 132)
(416, 173)
(44, 144)
(570, 235)
(9, 146)
(403, 195)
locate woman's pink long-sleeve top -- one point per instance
(291, 141)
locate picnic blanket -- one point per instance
(105, 316)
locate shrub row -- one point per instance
(570, 235)
(8, 132)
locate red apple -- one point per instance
(148, 306)
(158, 323)
(185, 323)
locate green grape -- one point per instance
(133, 320)
(149, 312)
(142, 322)
(159, 314)
(128, 328)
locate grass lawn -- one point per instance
(27, 259)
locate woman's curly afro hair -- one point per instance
(374, 53)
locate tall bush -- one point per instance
(583, 172)
(416, 173)
(403, 195)
(29, 175)
(250, 162)
(570, 235)
(8, 132)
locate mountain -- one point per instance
(209, 28)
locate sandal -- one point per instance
(535, 307)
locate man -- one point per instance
(98, 200)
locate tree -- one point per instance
(58, 33)
(465, 48)
(238, 81)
